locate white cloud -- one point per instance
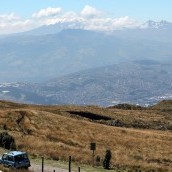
(15, 27)
(110, 24)
(9, 17)
(91, 12)
(67, 19)
(89, 18)
(12, 23)
(48, 12)
(125, 22)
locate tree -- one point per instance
(7, 141)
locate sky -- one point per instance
(22, 15)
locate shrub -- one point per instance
(98, 160)
(7, 141)
(1, 137)
(106, 161)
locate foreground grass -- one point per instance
(55, 133)
(74, 166)
(5, 169)
(84, 167)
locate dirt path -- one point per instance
(37, 168)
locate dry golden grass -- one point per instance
(5, 169)
(53, 132)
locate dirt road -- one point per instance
(48, 168)
(37, 168)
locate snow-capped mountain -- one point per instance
(150, 24)
(60, 26)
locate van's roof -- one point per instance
(14, 153)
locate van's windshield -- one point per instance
(22, 157)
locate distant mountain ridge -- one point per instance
(140, 82)
(58, 27)
(122, 66)
(39, 58)
(163, 24)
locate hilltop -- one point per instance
(137, 138)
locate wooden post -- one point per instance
(78, 169)
(93, 158)
(53, 170)
(93, 148)
(69, 163)
(42, 164)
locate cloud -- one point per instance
(67, 19)
(88, 18)
(124, 22)
(48, 12)
(9, 17)
(90, 12)
(12, 23)
(15, 27)
(110, 24)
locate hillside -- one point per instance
(137, 138)
(164, 105)
(143, 82)
(36, 58)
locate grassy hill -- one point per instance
(165, 105)
(138, 138)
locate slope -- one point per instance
(143, 82)
(42, 57)
(55, 132)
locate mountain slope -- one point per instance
(39, 58)
(138, 83)
(141, 82)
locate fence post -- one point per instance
(69, 163)
(42, 164)
(78, 169)
(93, 158)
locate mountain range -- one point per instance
(29, 57)
(57, 65)
(139, 82)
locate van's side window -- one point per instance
(4, 157)
(10, 158)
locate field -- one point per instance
(139, 138)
